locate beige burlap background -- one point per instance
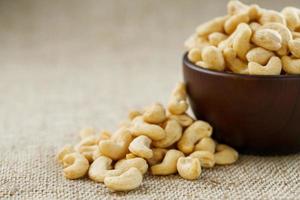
(65, 65)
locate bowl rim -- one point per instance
(194, 67)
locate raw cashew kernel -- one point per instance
(158, 155)
(206, 158)
(140, 146)
(215, 25)
(155, 114)
(67, 149)
(231, 23)
(184, 120)
(267, 38)
(225, 155)
(194, 55)
(294, 47)
(193, 134)
(101, 168)
(291, 65)
(139, 127)
(292, 17)
(273, 67)
(241, 42)
(128, 180)
(206, 144)
(215, 38)
(126, 164)
(259, 55)
(75, 165)
(87, 132)
(88, 151)
(213, 57)
(178, 101)
(234, 63)
(173, 133)
(269, 16)
(236, 7)
(96, 154)
(169, 164)
(189, 168)
(117, 146)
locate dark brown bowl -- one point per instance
(255, 114)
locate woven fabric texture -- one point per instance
(65, 65)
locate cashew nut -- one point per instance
(273, 67)
(155, 114)
(101, 168)
(117, 146)
(215, 38)
(140, 146)
(241, 42)
(89, 151)
(271, 16)
(215, 25)
(173, 133)
(169, 164)
(285, 34)
(126, 164)
(232, 23)
(234, 63)
(184, 120)
(87, 132)
(67, 149)
(178, 101)
(128, 180)
(158, 156)
(259, 55)
(206, 144)
(130, 155)
(96, 154)
(294, 47)
(236, 7)
(267, 38)
(194, 55)
(213, 58)
(291, 65)
(75, 165)
(189, 168)
(206, 158)
(292, 17)
(225, 155)
(193, 134)
(139, 127)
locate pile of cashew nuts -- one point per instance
(165, 141)
(248, 40)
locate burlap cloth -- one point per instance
(65, 65)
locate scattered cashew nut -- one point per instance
(206, 158)
(126, 164)
(189, 168)
(206, 144)
(178, 101)
(75, 165)
(140, 146)
(225, 155)
(155, 114)
(158, 156)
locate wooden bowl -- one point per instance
(255, 114)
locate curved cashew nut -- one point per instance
(75, 165)
(259, 55)
(206, 144)
(294, 47)
(169, 164)
(215, 38)
(215, 25)
(236, 7)
(206, 158)
(89, 152)
(285, 33)
(267, 38)
(67, 149)
(184, 120)
(139, 127)
(291, 65)
(273, 67)
(140, 146)
(271, 16)
(173, 133)
(129, 180)
(126, 164)
(189, 168)
(155, 114)
(292, 17)
(225, 155)
(87, 132)
(194, 133)
(241, 42)
(235, 64)
(117, 146)
(178, 101)
(158, 155)
(101, 168)
(194, 55)
(96, 154)
(213, 58)
(232, 23)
